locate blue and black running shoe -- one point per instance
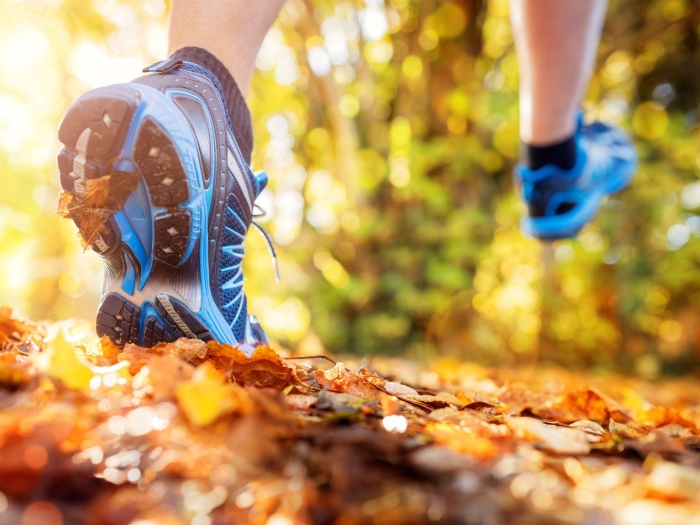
(560, 202)
(155, 181)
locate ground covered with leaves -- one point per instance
(205, 434)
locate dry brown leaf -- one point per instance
(340, 379)
(13, 371)
(626, 431)
(121, 186)
(390, 404)
(187, 349)
(14, 330)
(661, 416)
(65, 203)
(379, 381)
(96, 192)
(594, 432)
(562, 440)
(564, 407)
(462, 440)
(300, 401)
(138, 356)
(90, 222)
(264, 368)
(397, 389)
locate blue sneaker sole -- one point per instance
(130, 165)
(568, 225)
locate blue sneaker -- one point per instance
(560, 202)
(155, 181)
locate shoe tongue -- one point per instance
(260, 182)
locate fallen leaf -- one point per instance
(300, 401)
(626, 431)
(562, 440)
(65, 203)
(564, 407)
(61, 362)
(397, 389)
(340, 379)
(137, 356)
(264, 368)
(656, 442)
(462, 440)
(96, 192)
(207, 396)
(594, 432)
(390, 404)
(13, 371)
(339, 402)
(661, 416)
(187, 349)
(109, 349)
(13, 330)
(379, 381)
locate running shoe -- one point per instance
(155, 182)
(560, 202)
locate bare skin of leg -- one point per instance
(556, 42)
(232, 30)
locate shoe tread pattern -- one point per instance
(162, 170)
(119, 320)
(102, 121)
(194, 325)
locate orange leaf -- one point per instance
(264, 368)
(464, 441)
(340, 379)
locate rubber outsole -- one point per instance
(118, 167)
(92, 133)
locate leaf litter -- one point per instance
(203, 433)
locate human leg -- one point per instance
(232, 30)
(566, 168)
(556, 42)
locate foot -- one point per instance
(560, 202)
(155, 182)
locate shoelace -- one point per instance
(268, 241)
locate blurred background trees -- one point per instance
(389, 130)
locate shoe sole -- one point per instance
(132, 181)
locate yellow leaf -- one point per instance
(61, 362)
(462, 440)
(207, 396)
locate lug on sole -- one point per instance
(94, 133)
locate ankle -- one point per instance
(561, 154)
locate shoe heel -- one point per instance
(119, 319)
(163, 320)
